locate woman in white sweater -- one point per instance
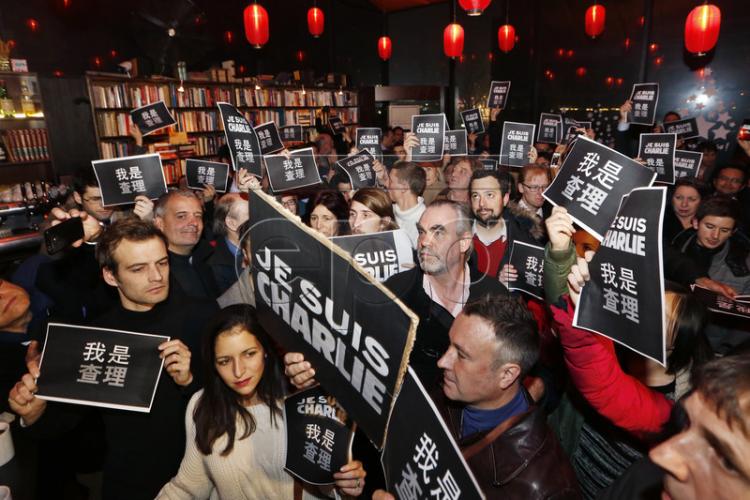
(235, 431)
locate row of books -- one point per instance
(258, 116)
(319, 98)
(114, 149)
(201, 96)
(133, 95)
(207, 145)
(112, 124)
(199, 121)
(258, 97)
(27, 144)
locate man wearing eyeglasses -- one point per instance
(532, 181)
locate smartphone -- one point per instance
(744, 133)
(63, 235)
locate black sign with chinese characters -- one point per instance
(685, 129)
(498, 95)
(591, 183)
(152, 117)
(312, 300)
(337, 126)
(360, 169)
(430, 131)
(529, 263)
(122, 179)
(473, 121)
(370, 139)
(571, 128)
(292, 133)
(624, 300)
(198, 173)
(242, 140)
(516, 142)
(489, 163)
(420, 458)
(550, 128)
(319, 436)
(644, 98)
(686, 163)
(295, 171)
(719, 304)
(381, 254)
(269, 138)
(100, 367)
(455, 143)
(657, 150)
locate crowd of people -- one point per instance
(540, 408)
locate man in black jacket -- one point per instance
(230, 212)
(143, 449)
(179, 215)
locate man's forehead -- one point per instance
(443, 215)
(92, 191)
(183, 203)
(718, 221)
(703, 414)
(129, 252)
(471, 332)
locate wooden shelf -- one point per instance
(214, 108)
(25, 162)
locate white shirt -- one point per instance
(407, 219)
(528, 208)
(502, 233)
(456, 309)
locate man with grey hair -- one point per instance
(226, 262)
(179, 215)
(439, 288)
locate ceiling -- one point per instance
(394, 5)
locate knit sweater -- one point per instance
(254, 468)
(407, 219)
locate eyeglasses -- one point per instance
(534, 189)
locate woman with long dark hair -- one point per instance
(235, 430)
(328, 213)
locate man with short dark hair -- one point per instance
(406, 183)
(729, 180)
(143, 449)
(716, 247)
(461, 170)
(179, 215)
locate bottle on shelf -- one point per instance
(6, 103)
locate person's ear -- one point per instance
(506, 199)
(465, 242)
(159, 223)
(231, 223)
(695, 223)
(77, 198)
(509, 373)
(109, 277)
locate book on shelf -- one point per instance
(200, 97)
(27, 144)
(198, 121)
(250, 96)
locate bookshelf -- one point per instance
(112, 97)
(23, 130)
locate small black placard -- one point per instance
(152, 117)
(122, 179)
(201, 172)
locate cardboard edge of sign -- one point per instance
(447, 431)
(85, 402)
(133, 111)
(286, 444)
(195, 160)
(95, 164)
(340, 252)
(660, 246)
(512, 288)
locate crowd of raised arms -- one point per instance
(584, 418)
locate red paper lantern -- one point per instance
(581, 71)
(570, 53)
(619, 81)
(315, 21)
(609, 81)
(300, 55)
(549, 74)
(506, 37)
(560, 52)
(627, 43)
(658, 60)
(58, 73)
(33, 24)
(653, 47)
(113, 53)
(702, 29)
(595, 16)
(453, 40)
(228, 37)
(384, 48)
(474, 7)
(256, 25)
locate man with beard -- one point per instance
(495, 228)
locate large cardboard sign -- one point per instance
(319, 436)
(516, 143)
(624, 300)
(200, 173)
(430, 130)
(381, 254)
(100, 367)
(355, 332)
(244, 147)
(420, 458)
(295, 171)
(122, 179)
(657, 150)
(644, 98)
(152, 117)
(592, 181)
